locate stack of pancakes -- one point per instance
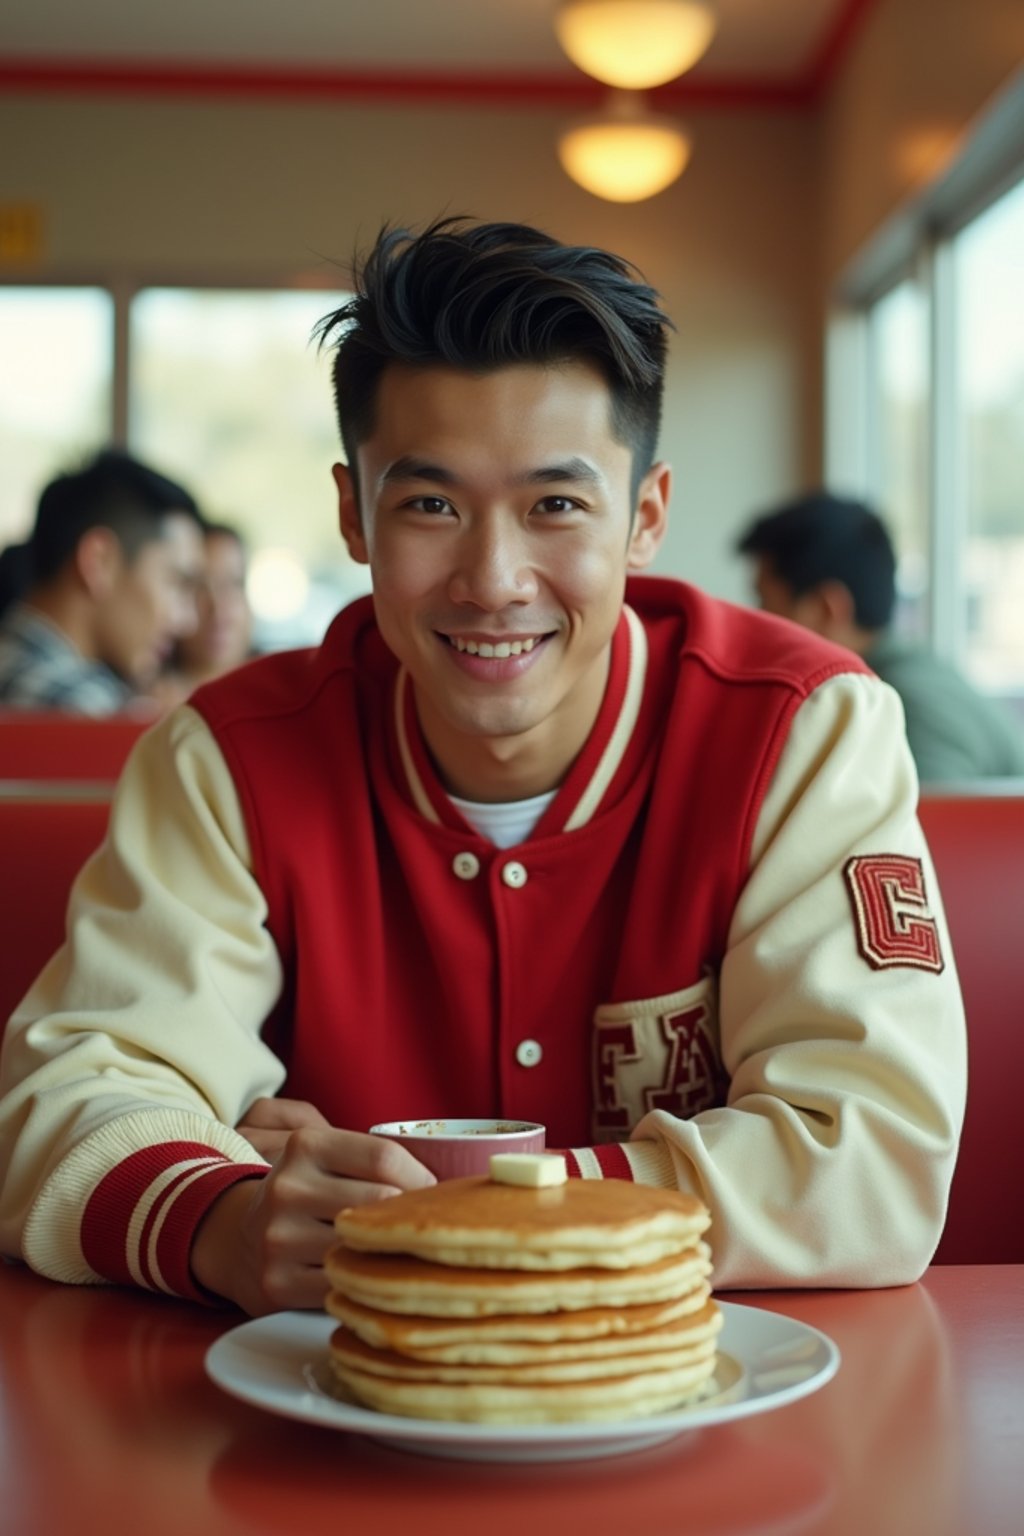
(499, 1304)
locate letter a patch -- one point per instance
(890, 906)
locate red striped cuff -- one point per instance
(606, 1162)
(139, 1222)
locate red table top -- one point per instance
(109, 1425)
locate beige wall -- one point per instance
(189, 189)
(918, 74)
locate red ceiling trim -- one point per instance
(110, 78)
(834, 45)
(103, 77)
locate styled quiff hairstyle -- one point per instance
(479, 297)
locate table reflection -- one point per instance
(117, 1379)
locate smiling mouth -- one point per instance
(499, 650)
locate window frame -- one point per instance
(920, 243)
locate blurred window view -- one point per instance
(942, 373)
(228, 393)
(898, 385)
(989, 277)
(56, 390)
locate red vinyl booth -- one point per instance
(45, 745)
(45, 841)
(977, 842)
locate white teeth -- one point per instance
(498, 651)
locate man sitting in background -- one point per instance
(222, 638)
(827, 563)
(106, 585)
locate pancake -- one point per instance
(480, 1300)
(392, 1282)
(486, 1337)
(605, 1224)
(678, 1342)
(602, 1397)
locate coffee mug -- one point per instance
(453, 1149)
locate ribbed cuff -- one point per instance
(644, 1162)
(139, 1222)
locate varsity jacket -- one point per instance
(719, 962)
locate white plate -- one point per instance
(279, 1363)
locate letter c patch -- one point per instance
(890, 906)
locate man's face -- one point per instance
(150, 601)
(224, 622)
(497, 523)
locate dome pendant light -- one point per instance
(625, 154)
(634, 44)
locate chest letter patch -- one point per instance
(890, 908)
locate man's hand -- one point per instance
(268, 1123)
(262, 1242)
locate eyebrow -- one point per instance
(574, 471)
(408, 468)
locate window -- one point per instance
(56, 383)
(898, 392)
(926, 411)
(988, 264)
(228, 394)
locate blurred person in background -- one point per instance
(827, 562)
(222, 638)
(101, 592)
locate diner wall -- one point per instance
(202, 189)
(914, 79)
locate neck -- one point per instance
(501, 768)
(59, 606)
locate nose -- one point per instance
(185, 615)
(493, 567)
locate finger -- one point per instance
(283, 1114)
(352, 1155)
(267, 1143)
(297, 1288)
(365, 1159)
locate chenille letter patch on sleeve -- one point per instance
(890, 908)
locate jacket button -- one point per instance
(514, 875)
(466, 866)
(528, 1053)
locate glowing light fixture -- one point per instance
(634, 44)
(626, 154)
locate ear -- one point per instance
(650, 518)
(98, 561)
(349, 516)
(837, 605)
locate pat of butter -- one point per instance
(533, 1170)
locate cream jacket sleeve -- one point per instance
(85, 1086)
(831, 1163)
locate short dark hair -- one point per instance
(820, 537)
(112, 491)
(485, 296)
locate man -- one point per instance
(109, 574)
(827, 563)
(222, 638)
(647, 872)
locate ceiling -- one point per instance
(782, 45)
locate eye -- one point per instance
(558, 504)
(434, 506)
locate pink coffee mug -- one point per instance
(453, 1149)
